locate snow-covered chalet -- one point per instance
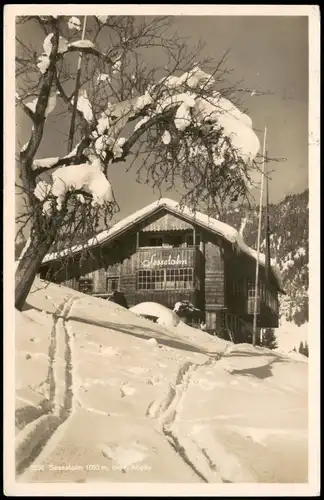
(166, 253)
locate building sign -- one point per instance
(154, 262)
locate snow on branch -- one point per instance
(176, 104)
(48, 163)
(62, 46)
(237, 126)
(40, 109)
(87, 177)
(188, 108)
(81, 44)
(194, 79)
(102, 19)
(43, 63)
(51, 104)
(88, 47)
(84, 46)
(84, 106)
(74, 23)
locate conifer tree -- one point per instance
(306, 350)
(269, 339)
(301, 348)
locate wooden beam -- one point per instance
(137, 240)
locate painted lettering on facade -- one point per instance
(154, 262)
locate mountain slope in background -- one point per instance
(288, 245)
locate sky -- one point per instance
(270, 54)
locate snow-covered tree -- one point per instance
(180, 122)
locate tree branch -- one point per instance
(27, 155)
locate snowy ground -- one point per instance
(290, 335)
(103, 395)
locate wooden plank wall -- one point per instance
(214, 274)
(240, 269)
(165, 222)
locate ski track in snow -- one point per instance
(193, 448)
(59, 379)
(166, 413)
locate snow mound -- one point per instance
(152, 342)
(165, 316)
(292, 354)
(253, 358)
(218, 419)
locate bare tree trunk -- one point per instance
(42, 238)
(29, 266)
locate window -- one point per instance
(179, 278)
(174, 241)
(189, 239)
(144, 279)
(251, 301)
(165, 279)
(112, 283)
(157, 279)
(155, 242)
(85, 285)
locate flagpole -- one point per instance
(256, 288)
(267, 228)
(76, 92)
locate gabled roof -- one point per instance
(204, 221)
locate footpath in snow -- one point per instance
(105, 395)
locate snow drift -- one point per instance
(233, 413)
(164, 315)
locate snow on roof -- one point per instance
(203, 220)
